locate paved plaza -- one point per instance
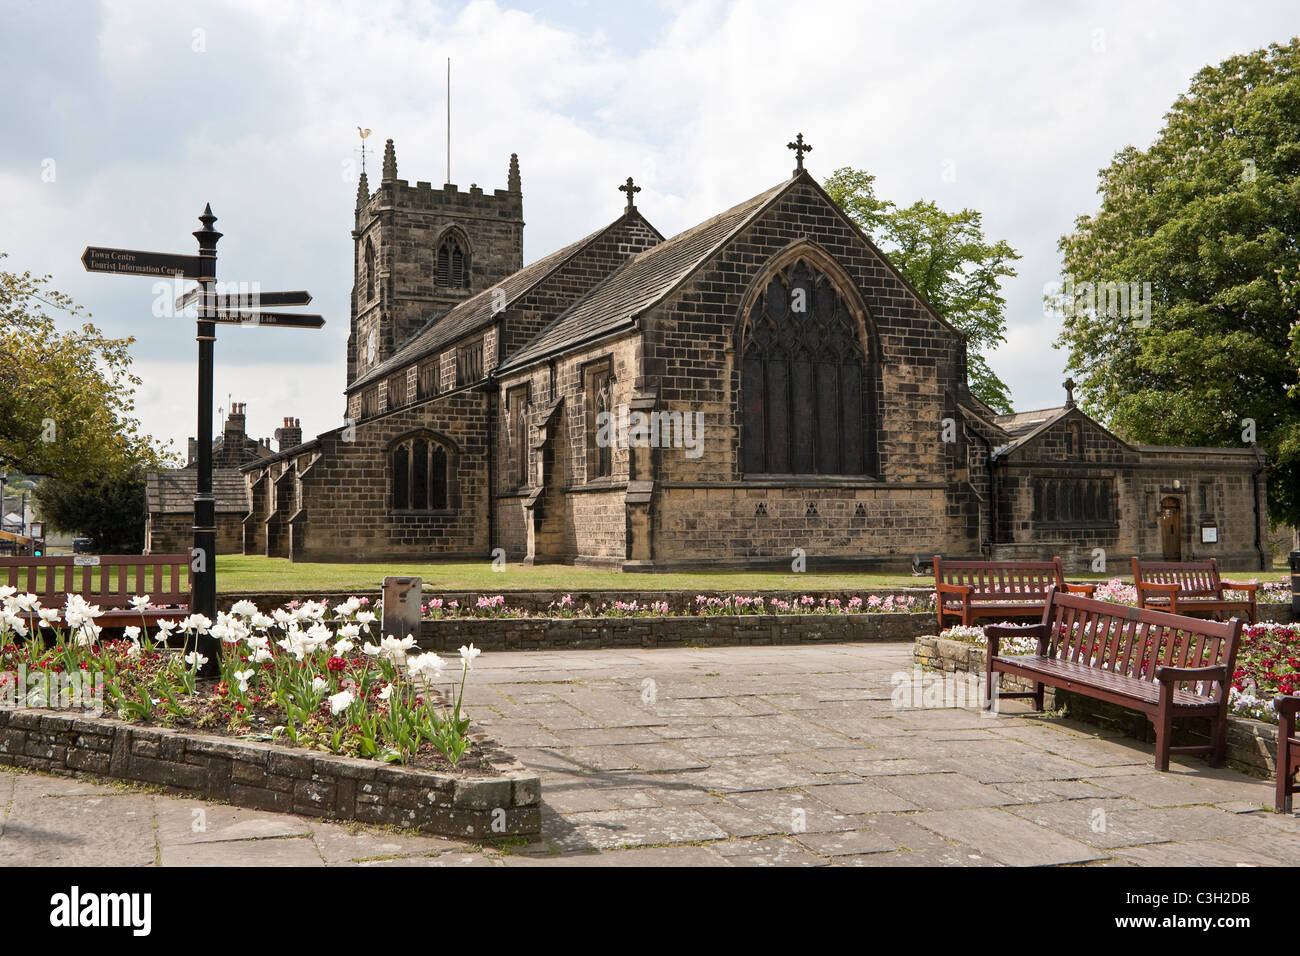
(758, 756)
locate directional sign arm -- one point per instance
(134, 262)
(291, 320)
(254, 301)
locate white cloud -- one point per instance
(694, 99)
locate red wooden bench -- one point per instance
(1189, 587)
(969, 590)
(1163, 665)
(108, 581)
(1288, 750)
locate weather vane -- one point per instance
(364, 133)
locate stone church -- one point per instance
(763, 382)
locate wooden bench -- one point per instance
(970, 590)
(108, 581)
(1288, 750)
(1163, 665)
(1189, 587)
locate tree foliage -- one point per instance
(946, 258)
(109, 508)
(66, 406)
(1209, 215)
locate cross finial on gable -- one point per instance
(799, 147)
(1069, 392)
(631, 190)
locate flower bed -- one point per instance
(307, 677)
(1118, 591)
(497, 606)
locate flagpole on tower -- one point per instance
(448, 179)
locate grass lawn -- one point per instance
(244, 573)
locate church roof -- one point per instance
(1020, 423)
(172, 491)
(643, 281)
(479, 309)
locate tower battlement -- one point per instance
(421, 249)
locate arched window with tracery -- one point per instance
(421, 475)
(453, 262)
(806, 379)
(370, 270)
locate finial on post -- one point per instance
(207, 236)
(1069, 392)
(631, 189)
(799, 147)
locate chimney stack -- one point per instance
(289, 435)
(235, 421)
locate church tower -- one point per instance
(419, 251)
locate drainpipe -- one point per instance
(993, 495)
(491, 476)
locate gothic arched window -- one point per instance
(600, 407)
(806, 380)
(370, 271)
(421, 475)
(453, 262)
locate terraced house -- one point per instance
(763, 382)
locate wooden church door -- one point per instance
(1171, 529)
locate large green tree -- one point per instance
(66, 393)
(945, 256)
(1209, 215)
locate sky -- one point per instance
(122, 119)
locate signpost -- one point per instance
(213, 310)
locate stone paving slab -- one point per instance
(1016, 842)
(743, 756)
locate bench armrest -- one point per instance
(1234, 586)
(954, 588)
(1087, 590)
(993, 633)
(1165, 674)
(1153, 586)
(1287, 705)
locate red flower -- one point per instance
(336, 664)
(222, 689)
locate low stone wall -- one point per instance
(534, 633)
(1252, 744)
(264, 776)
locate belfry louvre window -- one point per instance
(370, 270)
(453, 263)
(469, 363)
(806, 381)
(420, 475)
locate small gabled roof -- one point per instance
(1024, 427)
(1018, 423)
(172, 491)
(479, 309)
(643, 281)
